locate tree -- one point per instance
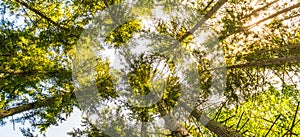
(36, 62)
(35, 68)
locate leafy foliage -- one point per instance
(271, 112)
(260, 41)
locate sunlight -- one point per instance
(253, 27)
(258, 20)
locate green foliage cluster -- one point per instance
(272, 113)
(122, 34)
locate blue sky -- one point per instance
(73, 121)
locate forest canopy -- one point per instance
(151, 68)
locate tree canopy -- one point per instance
(152, 68)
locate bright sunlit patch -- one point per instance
(253, 26)
(257, 22)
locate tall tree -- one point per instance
(259, 39)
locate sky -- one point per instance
(73, 121)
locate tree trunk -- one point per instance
(214, 126)
(4, 113)
(264, 63)
(214, 9)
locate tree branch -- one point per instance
(259, 9)
(222, 37)
(273, 15)
(39, 13)
(214, 9)
(4, 113)
(264, 63)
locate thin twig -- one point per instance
(237, 126)
(244, 125)
(293, 123)
(273, 125)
